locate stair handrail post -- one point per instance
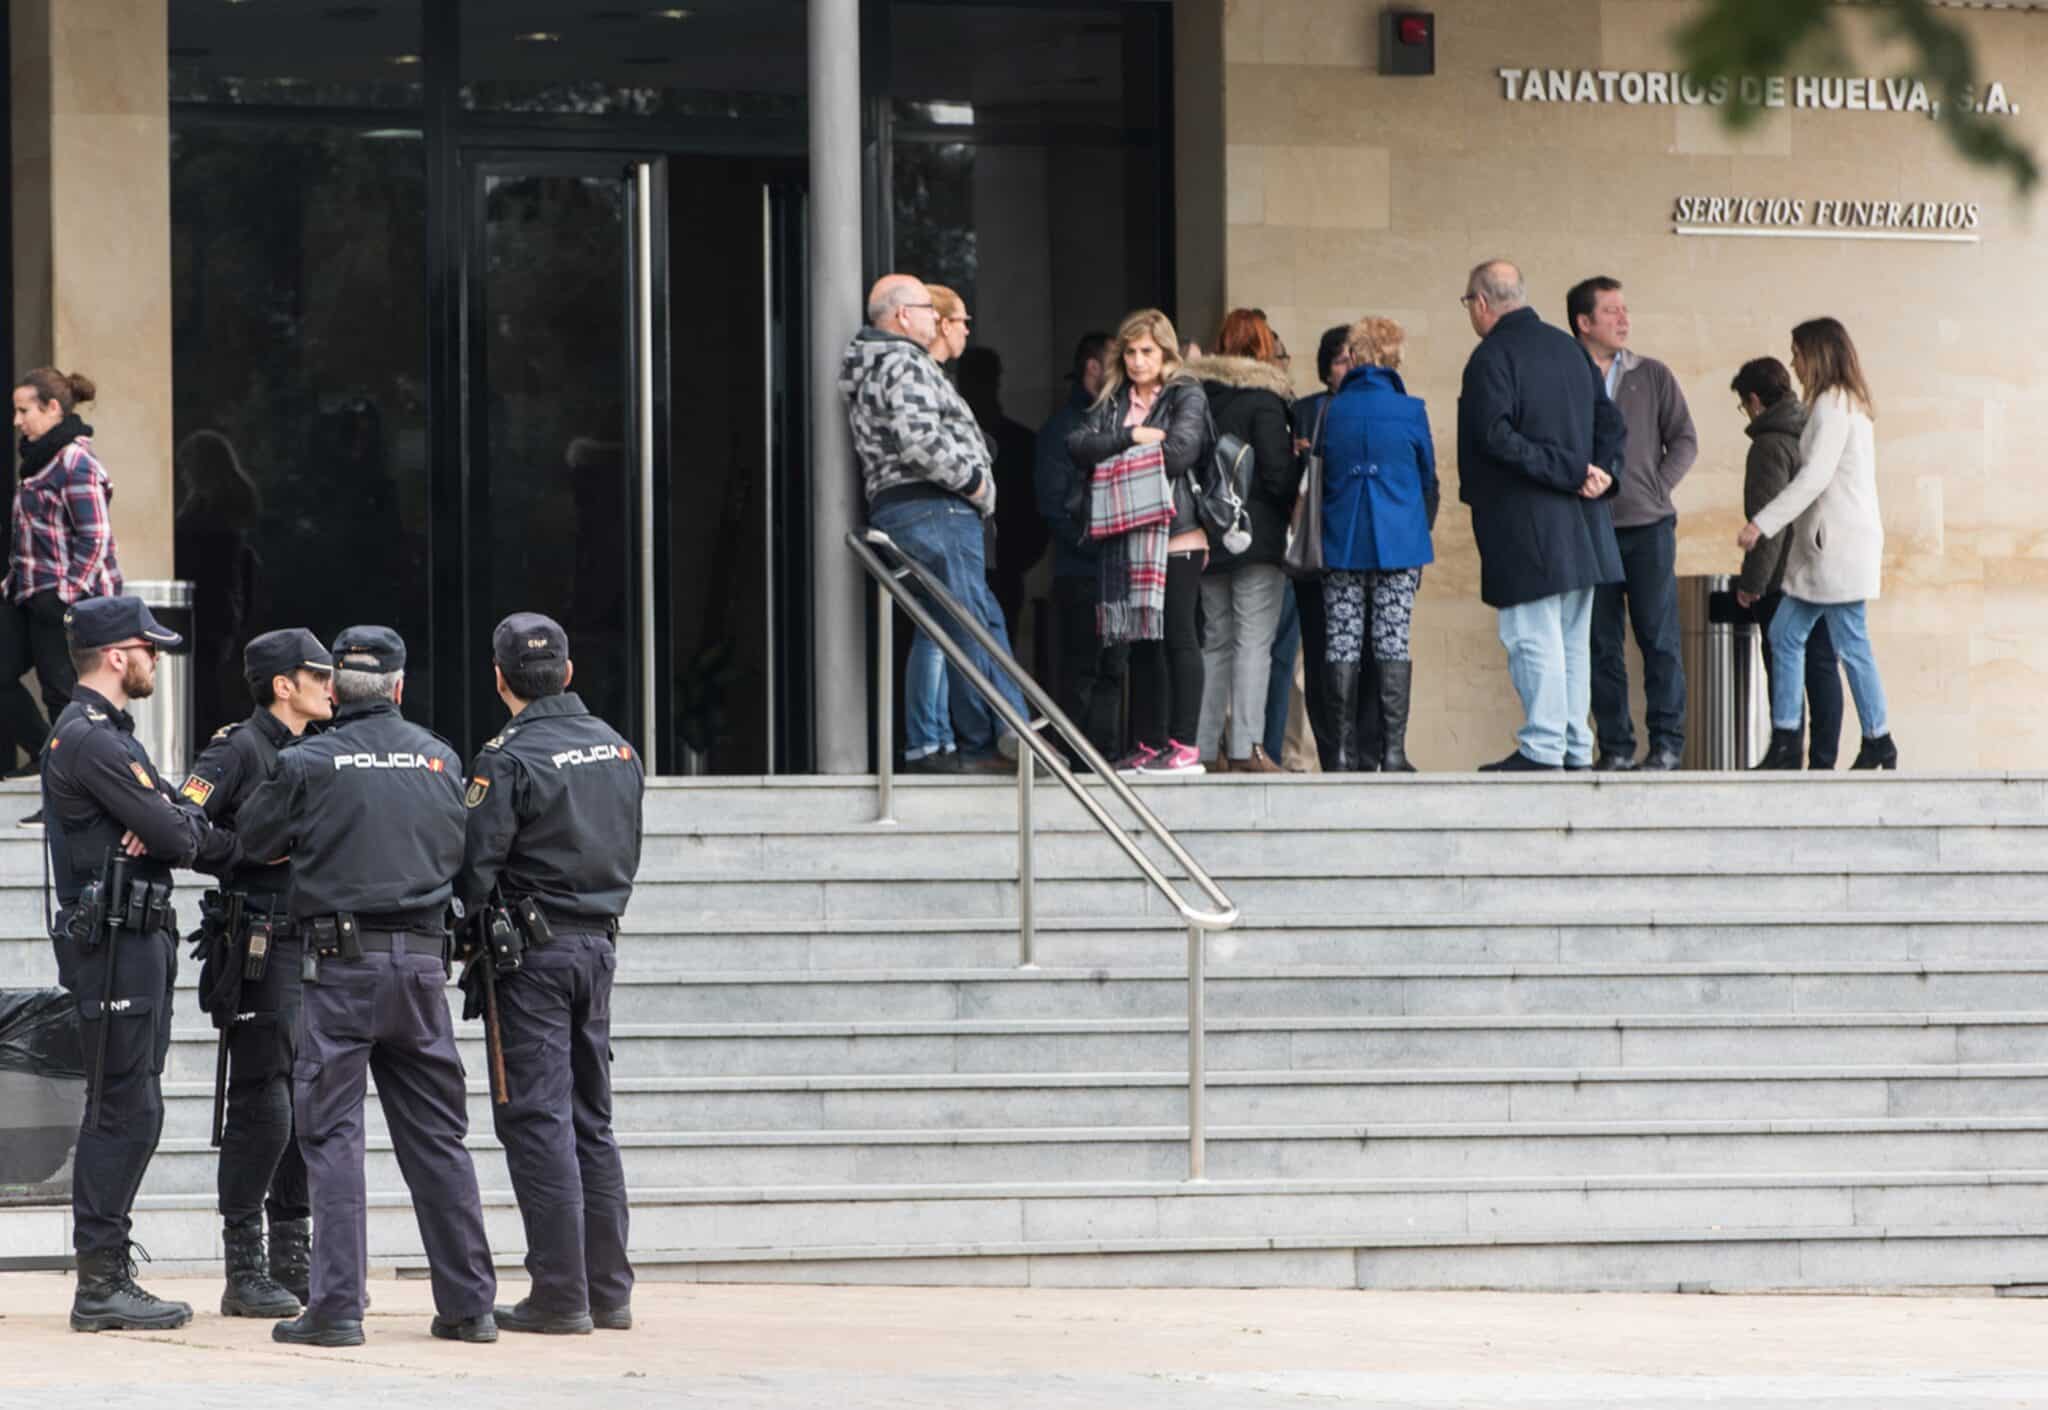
(885, 701)
(1033, 751)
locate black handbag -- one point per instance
(1304, 555)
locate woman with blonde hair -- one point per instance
(1834, 560)
(1152, 576)
(1380, 498)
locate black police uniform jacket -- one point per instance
(238, 760)
(554, 813)
(1532, 415)
(98, 782)
(369, 812)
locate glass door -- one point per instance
(563, 335)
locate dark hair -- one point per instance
(1764, 378)
(537, 680)
(1583, 296)
(67, 389)
(1245, 333)
(1830, 361)
(1328, 349)
(84, 659)
(1093, 347)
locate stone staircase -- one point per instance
(1637, 1032)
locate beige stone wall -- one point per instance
(1349, 193)
(92, 238)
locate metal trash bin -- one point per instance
(1727, 704)
(163, 722)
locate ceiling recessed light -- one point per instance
(539, 36)
(405, 59)
(668, 14)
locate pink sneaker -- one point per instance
(1136, 760)
(1178, 759)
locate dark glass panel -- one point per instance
(301, 53)
(299, 341)
(601, 58)
(556, 383)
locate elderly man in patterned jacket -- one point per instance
(930, 482)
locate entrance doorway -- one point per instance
(634, 340)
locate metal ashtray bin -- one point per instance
(1727, 703)
(163, 722)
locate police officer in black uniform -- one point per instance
(114, 834)
(554, 840)
(250, 984)
(371, 814)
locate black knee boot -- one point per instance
(1340, 698)
(1395, 677)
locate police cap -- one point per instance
(378, 650)
(528, 639)
(102, 621)
(281, 653)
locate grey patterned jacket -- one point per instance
(911, 428)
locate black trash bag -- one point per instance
(42, 1093)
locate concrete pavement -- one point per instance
(770, 1348)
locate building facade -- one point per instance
(426, 310)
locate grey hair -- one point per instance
(355, 687)
(888, 301)
(1499, 283)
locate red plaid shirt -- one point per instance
(63, 530)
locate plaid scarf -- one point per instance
(1131, 511)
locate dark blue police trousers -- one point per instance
(556, 1127)
(118, 1137)
(386, 1015)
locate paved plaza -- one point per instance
(764, 1348)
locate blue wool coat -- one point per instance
(1379, 476)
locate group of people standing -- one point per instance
(1571, 446)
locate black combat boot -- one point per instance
(1340, 696)
(109, 1301)
(1395, 677)
(527, 1318)
(291, 1256)
(1783, 753)
(482, 1328)
(250, 1291)
(1878, 753)
(307, 1330)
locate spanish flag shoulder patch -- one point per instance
(197, 790)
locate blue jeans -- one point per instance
(1550, 662)
(1280, 684)
(1789, 629)
(1647, 599)
(944, 537)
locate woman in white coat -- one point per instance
(1837, 544)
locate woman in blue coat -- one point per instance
(1379, 505)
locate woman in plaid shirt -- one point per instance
(63, 540)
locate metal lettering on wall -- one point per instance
(1637, 87)
(1798, 218)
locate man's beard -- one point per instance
(138, 681)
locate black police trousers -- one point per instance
(556, 1016)
(119, 1133)
(261, 1169)
(386, 1015)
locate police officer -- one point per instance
(371, 814)
(554, 839)
(114, 834)
(250, 983)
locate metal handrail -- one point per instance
(889, 585)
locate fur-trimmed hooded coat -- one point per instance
(1250, 399)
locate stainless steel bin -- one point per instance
(163, 722)
(1727, 704)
